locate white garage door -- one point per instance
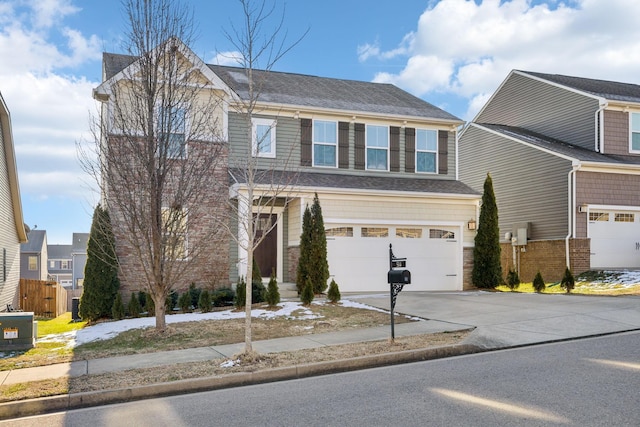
(615, 239)
(358, 256)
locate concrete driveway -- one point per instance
(514, 319)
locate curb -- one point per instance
(45, 405)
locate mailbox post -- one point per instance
(397, 278)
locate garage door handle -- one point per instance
(451, 275)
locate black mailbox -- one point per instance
(399, 276)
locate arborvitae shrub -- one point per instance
(222, 297)
(513, 280)
(195, 295)
(117, 311)
(538, 283)
(134, 306)
(204, 301)
(184, 302)
(333, 294)
(241, 293)
(258, 290)
(487, 270)
(150, 306)
(273, 294)
(568, 282)
(307, 293)
(142, 300)
(172, 301)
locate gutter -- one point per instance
(571, 201)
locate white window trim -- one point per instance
(314, 143)
(631, 113)
(187, 127)
(435, 172)
(366, 148)
(255, 122)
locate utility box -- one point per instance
(399, 276)
(18, 332)
(520, 233)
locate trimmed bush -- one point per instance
(134, 306)
(273, 294)
(222, 297)
(142, 300)
(150, 307)
(568, 282)
(241, 293)
(117, 311)
(204, 301)
(184, 302)
(171, 302)
(513, 280)
(307, 293)
(333, 294)
(538, 283)
(194, 293)
(487, 270)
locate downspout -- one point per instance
(571, 199)
(599, 127)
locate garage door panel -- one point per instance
(615, 239)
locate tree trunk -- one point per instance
(160, 311)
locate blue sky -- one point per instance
(452, 53)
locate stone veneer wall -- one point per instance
(467, 268)
(547, 256)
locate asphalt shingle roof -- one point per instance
(356, 182)
(59, 251)
(560, 147)
(35, 242)
(614, 91)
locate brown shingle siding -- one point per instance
(616, 132)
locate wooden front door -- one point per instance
(266, 254)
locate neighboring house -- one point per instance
(12, 230)
(382, 162)
(60, 264)
(564, 156)
(33, 256)
(79, 258)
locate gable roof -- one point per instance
(302, 91)
(614, 91)
(558, 147)
(12, 170)
(59, 251)
(329, 93)
(393, 184)
(79, 242)
(35, 243)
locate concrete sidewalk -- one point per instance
(501, 320)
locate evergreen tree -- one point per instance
(194, 293)
(273, 294)
(117, 310)
(568, 282)
(151, 307)
(487, 270)
(538, 283)
(134, 306)
(142, 300)
(241, 293)
(513, 280)
(305, 251)
(333, 294)
(319, 270)
(184, 302)
(258, 291)
(101, 282)
(307, 293)
(204, 301)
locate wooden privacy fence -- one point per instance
(43, 298)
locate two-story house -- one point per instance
(78, 258)
(60, 264)
(12, 230)
(382, 162)
(33, 256)
(564, 155)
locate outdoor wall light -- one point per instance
(471, 225)
(583, 208)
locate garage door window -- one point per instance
(375, 232)
(435, 233)
(409, 233)
(339, 232)
(598, 216)
(624, 217)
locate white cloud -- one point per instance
(231, 58)
(466, 49)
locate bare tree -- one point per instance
(264, 185)
(160, 153)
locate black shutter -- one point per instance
(305, 142)
(409, 150)
(359, 146)
(443, 151)
(394, 148)
(343, 145)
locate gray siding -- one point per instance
(288, 150)
(543, 108)
(530, 185)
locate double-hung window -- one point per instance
(325, 140)
(377, 147)
(426, 150)
(33, 262)
(264, 137)
(172, 125)
(634, 137)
